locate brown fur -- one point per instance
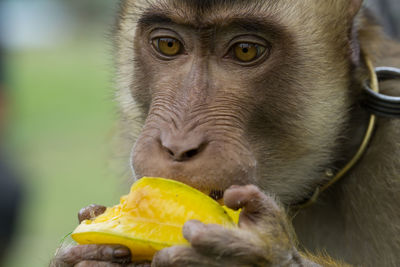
(278, 124)
(358, 220)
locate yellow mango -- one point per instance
(151, 217)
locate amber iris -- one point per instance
(167, 46)
(247, 52)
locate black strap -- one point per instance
(380, 104)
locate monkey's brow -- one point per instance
(150, 18)
(247, 23)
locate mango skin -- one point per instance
(151, 217)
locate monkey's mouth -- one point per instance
(217, 195)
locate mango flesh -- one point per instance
(151, 217)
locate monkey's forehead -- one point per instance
(205, 13)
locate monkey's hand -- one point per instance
(94, 255)
(263, 238)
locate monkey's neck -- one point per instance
(358, 218)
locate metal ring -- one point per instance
(385, 73)
(380, 104)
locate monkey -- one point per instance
(258, 103)
(386, 13)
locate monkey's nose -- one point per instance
(183, 148)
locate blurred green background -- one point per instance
(62, 118)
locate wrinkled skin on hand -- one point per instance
(263, 239)
(94, 255)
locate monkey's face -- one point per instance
(235, 93)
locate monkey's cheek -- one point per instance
(147, 159)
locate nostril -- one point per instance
(170, 152)
(182, 150)
(190, 154)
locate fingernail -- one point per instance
(98, 210)
(90, 212)
(192, 228)
(121, 253)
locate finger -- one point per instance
(202, 236)
(181, 256)
(90, 212)
(249, 197)
(255, 204)
(110, 253)
(225, 244)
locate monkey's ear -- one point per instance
(354, 7)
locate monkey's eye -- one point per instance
(247, 52)
(167, 46)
